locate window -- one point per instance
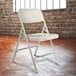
(40, 4)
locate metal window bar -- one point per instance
(46, 5)
(35, 3)
(40, 4)
(52, 4)
(29, 3)
(15, 5)
(24, 1)
(20, 4)
(59, 6)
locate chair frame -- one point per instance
(23, 32)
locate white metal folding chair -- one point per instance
(33, 16)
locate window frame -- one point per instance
(15, 8)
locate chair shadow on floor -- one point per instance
(39, 61)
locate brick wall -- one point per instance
(58, 21)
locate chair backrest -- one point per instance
(30, 15)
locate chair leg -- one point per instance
(33, 59)
(16, 48)
(26, 38)
(51, 44)
(36, 48)
(15, 52)
(30, 54)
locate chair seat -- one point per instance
(43, 37)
